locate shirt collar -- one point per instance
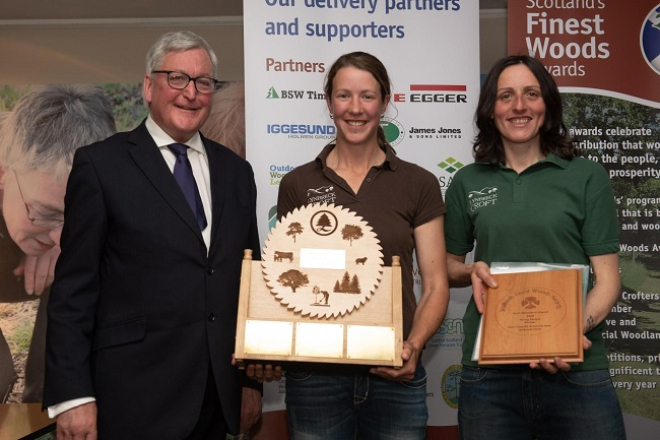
(551, 159)
(391, 159)
(163, 139)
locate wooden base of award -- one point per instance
(267, 330)
(320, 293)
(532, 316)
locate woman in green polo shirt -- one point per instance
(528, 198)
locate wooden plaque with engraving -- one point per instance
(533, 315)
(320, 294)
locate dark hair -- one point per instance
(554, 138)
(368, 63)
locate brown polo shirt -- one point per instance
(394, 199)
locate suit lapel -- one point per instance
(218, 173)
(150, 160)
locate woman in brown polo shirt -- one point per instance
(402, 202)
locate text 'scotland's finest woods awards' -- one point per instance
(320, 293)
(533, 315)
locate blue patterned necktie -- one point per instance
(184, 176)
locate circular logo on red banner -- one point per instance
(650, 39)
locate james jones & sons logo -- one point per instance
(434, 133)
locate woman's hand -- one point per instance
(558, 363)
(481, 280)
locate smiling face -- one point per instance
(179, 112)
(356, 105)
(519, 111)
(38, 195)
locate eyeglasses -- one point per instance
(179, 80)
(39, 222)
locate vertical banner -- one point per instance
(431, 51)
(604, 55)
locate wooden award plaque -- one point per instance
(320, 294)
(533, 315)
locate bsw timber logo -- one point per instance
(272, 94)
(294, 94)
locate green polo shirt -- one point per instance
(555, 211)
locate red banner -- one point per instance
(591, 43)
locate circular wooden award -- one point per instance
(322, 261)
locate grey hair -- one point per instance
(49, 124)
(178, 41)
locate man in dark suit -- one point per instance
(142, 314)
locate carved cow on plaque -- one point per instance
(320, 293)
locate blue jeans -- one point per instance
(530, 404)
(355, 406)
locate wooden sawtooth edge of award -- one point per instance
(281, 318)
(532, 316)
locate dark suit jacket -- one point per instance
(137, 310)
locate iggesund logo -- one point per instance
(302, 131)
(650, 39)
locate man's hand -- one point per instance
(38, 271)
(250, 409)
(78, 423)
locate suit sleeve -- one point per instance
(255, 245)
(75, 291)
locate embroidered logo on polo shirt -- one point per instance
(322, 194)
(482, 198)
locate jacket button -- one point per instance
(211, 317)
(210, 271)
